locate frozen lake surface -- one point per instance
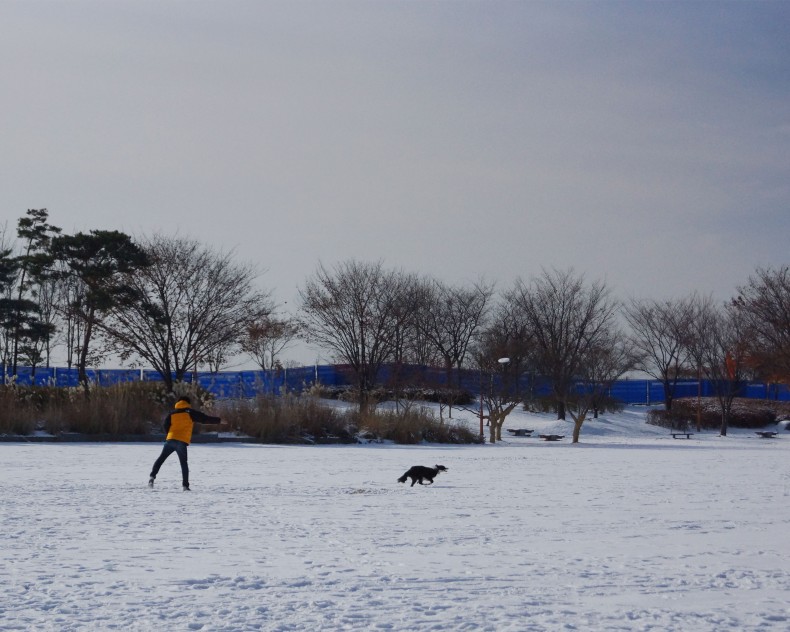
(629, 530)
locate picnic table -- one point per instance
(520, 432)
(551, 437)
(679, 435)
(766, 434)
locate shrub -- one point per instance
(540, 405)
(672, 419)
(411, 426)
(382, 394)
(18, 416)
(136, 408)
(610, 405)
(746, 413)
(130, 408)
(289, 419)
(322, 391)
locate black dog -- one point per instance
(418, 473)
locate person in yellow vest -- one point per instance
(179, 424)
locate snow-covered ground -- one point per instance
(628, 530)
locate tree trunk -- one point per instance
(577, 427)
(561, 410)
(82, 360)
(495, 421)
(667, 397)
(724, 419)
(448, 381)
(364, 403)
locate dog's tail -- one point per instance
(402, 479)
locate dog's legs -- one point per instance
(414, 480)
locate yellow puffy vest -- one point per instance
(181, 424)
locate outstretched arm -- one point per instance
(208, 420)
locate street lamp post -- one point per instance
(503, 362)
(481, 403)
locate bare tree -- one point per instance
(566, 317)
(659, 334)
(764, 303)
(356, 311)
(218, 358)
(700, 306)
(267, 337)
(407, 341)
(720, 341)
(449, 318)
(503, 356)
(603, 364)
(195, 304)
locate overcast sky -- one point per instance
(643, 143)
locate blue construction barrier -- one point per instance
(652, 391)
(246, 384)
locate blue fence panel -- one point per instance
(688, 388)
(25, 376)
(42, 377)
(66, 378)
(652, 391)
(777, 392)
(539, 387)
(45, 377)
(655, 392)
(151, 376)
(255, 382)
(472, 380)
(327, 375)
(223, 385)
(110, 377)
(630, 391)
(300, 378)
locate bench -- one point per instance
(520, 432)
(551, 437)
(766, 434)
(678, 435)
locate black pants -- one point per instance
(180, 448)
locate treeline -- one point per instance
(169, 303)
(557, 325)
(175, 305)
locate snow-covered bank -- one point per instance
(626, 531)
